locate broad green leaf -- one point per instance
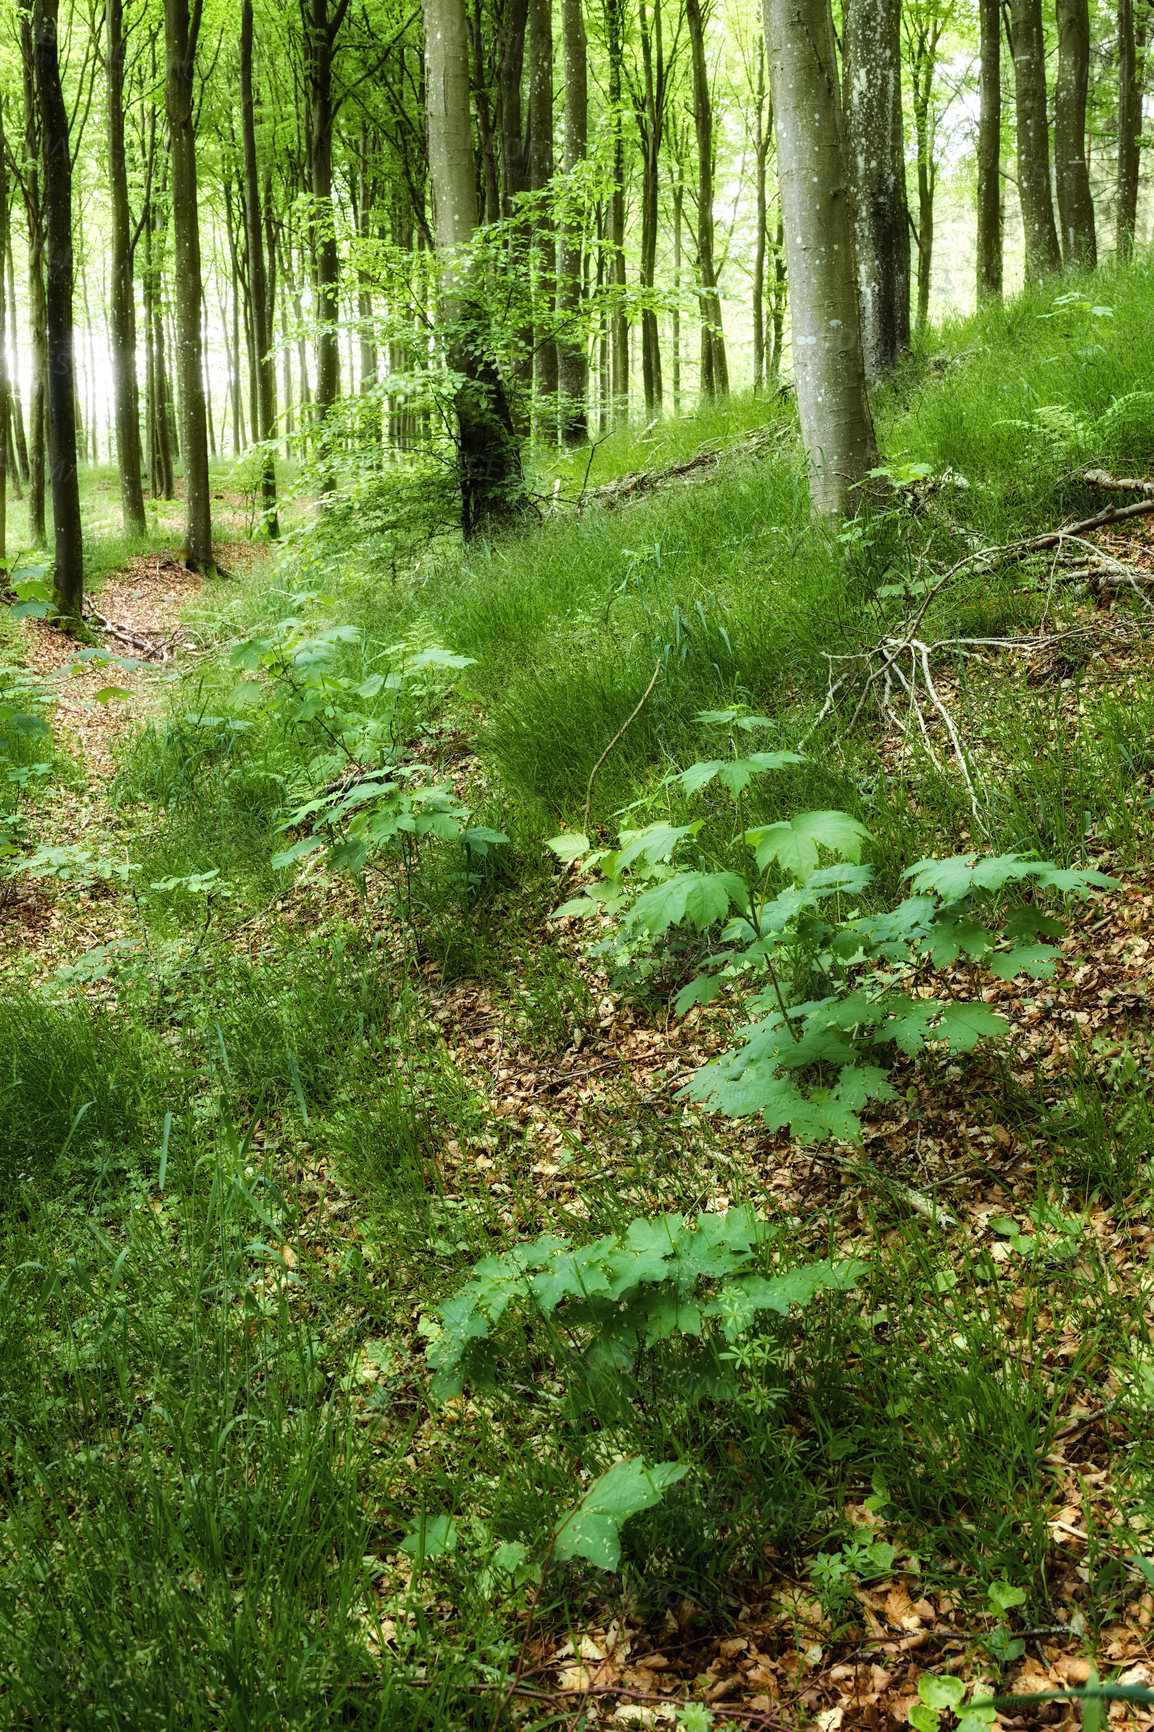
(569, 847)
(106, 694)
(940, 1693)
(289, 856)
(1036, 960)
(438, 1537)
(1004, 1595)
(593, 1529)
(654, 844)
(794, 844)
(700, 897)
(964, 1025)
(923, 1718)
(734, 773)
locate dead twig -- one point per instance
(617, 738)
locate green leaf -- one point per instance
(700, 897)
(1004, 1595)
(106, 694)
(964, 1025)
(923, 1719)
(654, 844)
(569, 847)
(593, 1529)
(940, 1693)
(794, 843)
(438, 1537)
(1036, 960)
(735, 773)
(298, 851)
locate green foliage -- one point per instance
(592, 1530)
(620, 1293)
(839, 994)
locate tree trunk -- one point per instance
(57, 158)
(990, 152)
(489, 461)
(181, 31)
(5, 393)
(37, 413)
(544, 238)
(512, 32)
(122, 296)
(1071, 170)
(1129, 128)
(571, 358)
(18, 471)
(678, 210)
(649, 105)
(618, 322)
(321, 32)
(761, 222)
(779, 287)
(714, 366)
(1043, 255)
(872, 77)
(833, 406)
(264, 408)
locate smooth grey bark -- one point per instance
(922, 46)
(37, 408)
(68, 539)
(1071, 170)
(1043, 254)
(321, 30)
(488, 456)
(182, 28)
(990, 151)
(876, 165)
(615, 260)
(19, 470)
(714, 365)
(762, 133)
(649, 103)
(572, 364)
(264, 368)
(122, 295)
(5, 391)
(833, 404)
(512, 36)
(1131, 38)
(540, 174)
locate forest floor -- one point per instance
(262, 1120)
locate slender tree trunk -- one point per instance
(182, 28)
(990, 152)
(761, 223)
(321, 34)
(57, 157)
(678, 216)
(779, 293)
(618, 321)
(122, 299)
(571, 355)
(714, 365)
(650, 108)
(833, 406)
(1043, 255)
(37, 412)
(264, 408)
(512, 35)
(5, 391)
(1071, 170)
(1129, 125)
(872, 80)
(19, 470)
(544, 238)
(489, 462)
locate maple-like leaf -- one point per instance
(593, 1529)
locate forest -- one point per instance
(576, 906)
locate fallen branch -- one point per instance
(618, 736)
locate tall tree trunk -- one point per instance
(37, 412)
(833, 406)
(675, 334)
(714, 366)
(5, 392)
(544, 238)
(618, 321)
(182, 28)
(779, 288)
(321, 31)
(1129, 124)
(264, 408)
(990, 152)
(1043, 255)
(489, 461)
(512, 34)
(19, 470)
(57, 157)
(122, 298)
(761, 222)
(650, 107)
(872, 75)
(571, 356)
(1075, 202)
